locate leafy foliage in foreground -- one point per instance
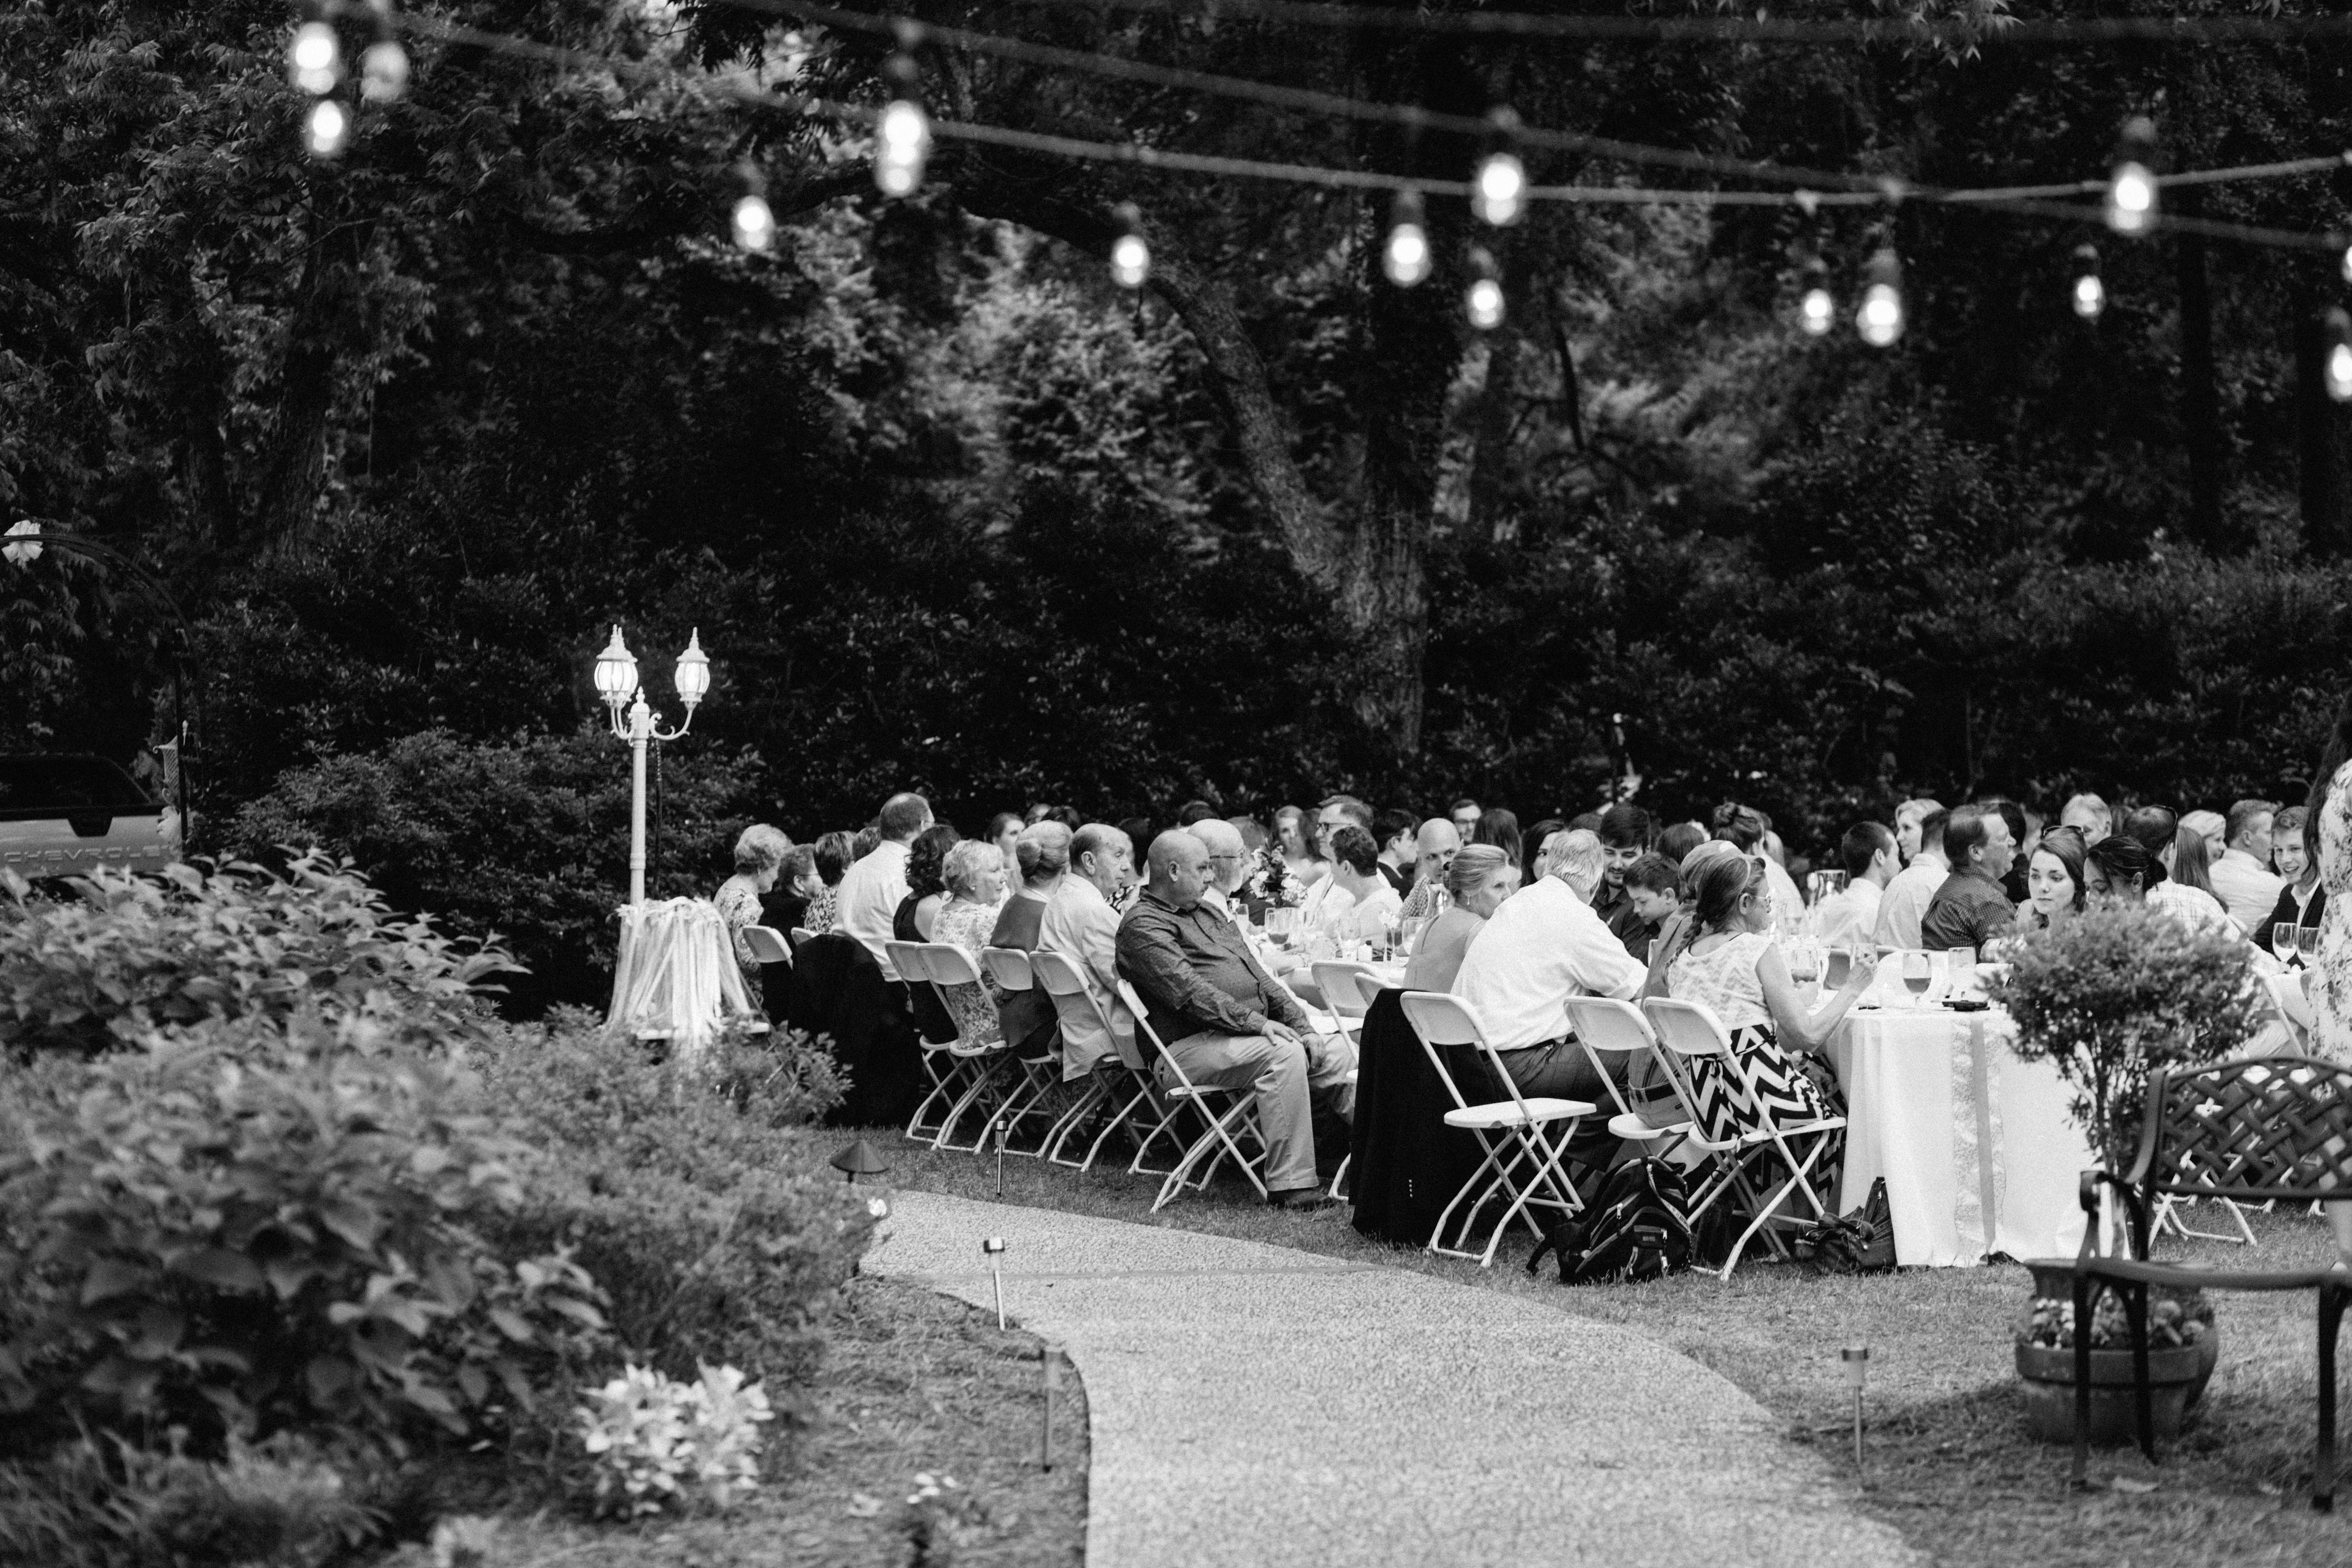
(125, 955)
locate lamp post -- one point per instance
(632, 722)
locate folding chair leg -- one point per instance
(1478, 1183)
(2134, 1297)
(1074, 1117)
(2086, 1288)
(2323, 1475)
(944, 1081)
(1340, 1176)
(984, 1076)
(1216, 1143)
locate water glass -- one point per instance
(1281, 923)
(2306, 942)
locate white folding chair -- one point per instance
(1734, 1122)
(1604, 1024)
(802, 934)
(945, 965)
(765, 945)
(1440, 1020)
(1124, 1081)
(1348, 989)
(1008, 967)
(1236, 1119)
(950, 1072)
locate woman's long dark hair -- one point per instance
(2189, 860)
(926, 859)
(1499, 828)
(2067, 845)
(2332, 758)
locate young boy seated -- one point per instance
(1650, 899)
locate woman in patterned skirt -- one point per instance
(1729, 964)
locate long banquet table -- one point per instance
(1975, 1144)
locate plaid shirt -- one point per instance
(1196, 974)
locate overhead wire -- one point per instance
(1889, 192)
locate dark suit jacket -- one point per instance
(1407, 1164)
(836, 990)
(1031, 1025)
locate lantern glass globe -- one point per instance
(616, 671)
(693, 671)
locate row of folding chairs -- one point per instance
(1723, 1127)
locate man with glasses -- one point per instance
(1336, 812)
(1228, 863)
(1465, 814)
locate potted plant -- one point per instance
(2106, 998)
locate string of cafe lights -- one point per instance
(1499, 190)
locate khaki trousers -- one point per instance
(1287, 1081)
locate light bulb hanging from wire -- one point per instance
(1817, 307)
(314, 60)
(755, 223)
(1880, 319)
(2089, 295)
(2338, 368)
(2131, 189)
(1131, 257)
(326, 130)
(1498, 192)
(1484, 299)
(1405, 256)
(902, 141)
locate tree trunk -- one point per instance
(2327, 474)
(2200, 410)
(293, 470)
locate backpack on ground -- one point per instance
(1637, 1228)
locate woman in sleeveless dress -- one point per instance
(2327, 827)
(1729, 964)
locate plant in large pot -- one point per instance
(2106, 998)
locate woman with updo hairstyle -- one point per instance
(758, 855)
(1479, 878)
(2054, 886)
(2117, 870)
(973, 874)
(927, 890)
(1730, 964)
(833, 858)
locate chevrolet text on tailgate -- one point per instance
(62, 815)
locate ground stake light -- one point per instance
(1857, 1361)
(993, 1246)
(859, 1159)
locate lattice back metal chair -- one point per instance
(1747, 1130)
(1514, 1125)
(2254, 1130)
(1125, 1084)
(1228, 1125)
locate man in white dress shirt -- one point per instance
(1868, 852)
(1541, 946)
(1911, 890)
(1081, 922)
(2242, 877)
(872, 890)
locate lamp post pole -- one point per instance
(632, 722)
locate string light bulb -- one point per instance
(1484, 301)
(2090, 294)
(2131, 188)
(755, 223)
(384, 71)
(1880, 319)
(903, 135)
(1405, 257)
(2337, 369)
(2347, 264)
(314, 60)
(1498, 194)
(326, 130)
(1817, 307)
(1131, 257)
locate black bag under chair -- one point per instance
(1638, 1228)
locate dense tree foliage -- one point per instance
(407, 432)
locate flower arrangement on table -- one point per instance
(1271, 884)
(2117, 992)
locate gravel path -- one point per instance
(1253, 1404)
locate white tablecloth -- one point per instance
(1976, 1147)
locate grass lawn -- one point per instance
(1949, 1462)
(913, 1382)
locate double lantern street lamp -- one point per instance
(616, 683)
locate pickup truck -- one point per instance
(61, 815)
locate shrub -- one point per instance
(261, 1225)
(126, 954)
(703, 1209)
(2114, 993)
(107, 1504)
(527, 836)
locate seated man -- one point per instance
(1080, 923)
(2154, 828)
(1439, 842)
(1650, 897)
(1357, 904)
(1970, 909)
(1870, 857)
(1541, 946)
(1229, 864)
(1225, 1021)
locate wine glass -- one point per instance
(1918, 973)
(1281, 923)
(2282, 941)
(2306, 944)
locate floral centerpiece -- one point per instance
(2114, 993)
(1272, 883)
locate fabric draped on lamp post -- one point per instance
(632, 722)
